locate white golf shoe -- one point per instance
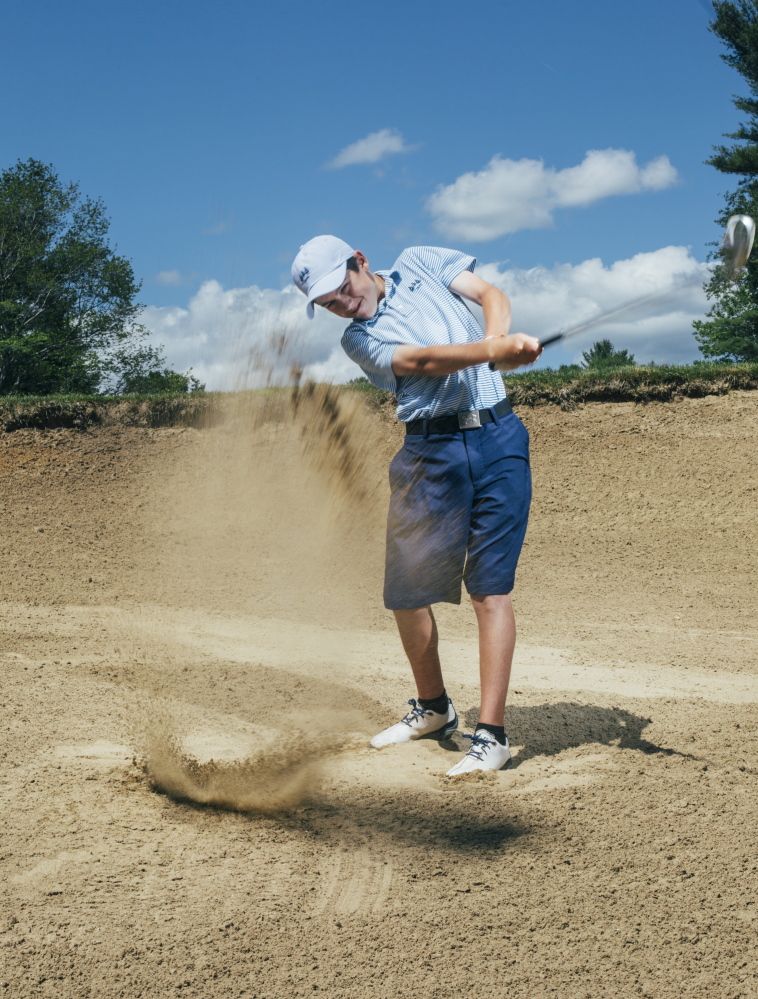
(419, 724)
(485, 753)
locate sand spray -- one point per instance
(271, 515)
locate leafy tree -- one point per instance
(67, 301)
(731, 332)
(65, 296)
(602, 356)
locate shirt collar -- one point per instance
(391, 281)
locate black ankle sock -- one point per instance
(438, 704)
(497, 730)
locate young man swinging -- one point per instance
(461, 484)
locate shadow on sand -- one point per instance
(548, 729)
(467, 820)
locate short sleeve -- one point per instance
(373, 357)
(438, 262)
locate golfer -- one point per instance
(461, 484)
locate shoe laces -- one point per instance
(416, 713)
(479, 745)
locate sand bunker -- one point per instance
(209, 604)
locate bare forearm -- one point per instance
(438, 361)
(506, 352)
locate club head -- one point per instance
(738, 242)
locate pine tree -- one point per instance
(602, 356)
(731, 333)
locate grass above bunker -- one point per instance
(636, 383)
(565, 388)
(568, 387)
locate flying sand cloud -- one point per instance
(509, 195)
(240, 337)
(376, 146)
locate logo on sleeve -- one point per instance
(414, 284)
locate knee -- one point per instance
(491, 603)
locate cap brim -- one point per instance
(330, 282)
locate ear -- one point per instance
(361, 260)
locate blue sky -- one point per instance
(207, 129)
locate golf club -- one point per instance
(735, 250)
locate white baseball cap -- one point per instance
(320, 267)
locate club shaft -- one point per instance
(589, 324)
(620, 310)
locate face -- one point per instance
(358, 295)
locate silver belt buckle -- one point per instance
(469, 420)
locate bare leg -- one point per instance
(418, 633)
(497, 639)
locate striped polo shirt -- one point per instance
(419, 310)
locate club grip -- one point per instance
(551, 339)
(543, 343)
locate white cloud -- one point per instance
(174, 278)
(509, 195)
(170, 279)
(376, 146)
(250, 336)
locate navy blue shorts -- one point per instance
(459, 509)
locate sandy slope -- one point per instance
(223, 587)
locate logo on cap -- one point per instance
(319, 267)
